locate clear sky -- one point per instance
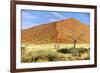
(32, 18)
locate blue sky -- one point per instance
(32, 18)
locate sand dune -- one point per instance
(57, 31)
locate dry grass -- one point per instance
(47, 52)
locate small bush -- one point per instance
(55, 56)
(63, 50)
(83, 50)
(74, 51)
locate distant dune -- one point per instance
(60, 31)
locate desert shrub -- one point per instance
(74, 51)
(27, 57)
(44, 56)
(78, 51)
(83, 50)
(63, 50)
(40, 56)
(55, 56)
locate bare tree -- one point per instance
(75, 36)
(57, 45)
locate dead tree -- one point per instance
(57, 45)
(75, 36)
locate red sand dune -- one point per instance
(57, 31)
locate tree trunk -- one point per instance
(75, 43)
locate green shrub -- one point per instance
(74, 51)
(63, 50)
(69, 51)
(83, 50)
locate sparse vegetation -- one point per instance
(50, 54)
(43, 56)
(74, 51)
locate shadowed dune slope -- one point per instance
(42, 34)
